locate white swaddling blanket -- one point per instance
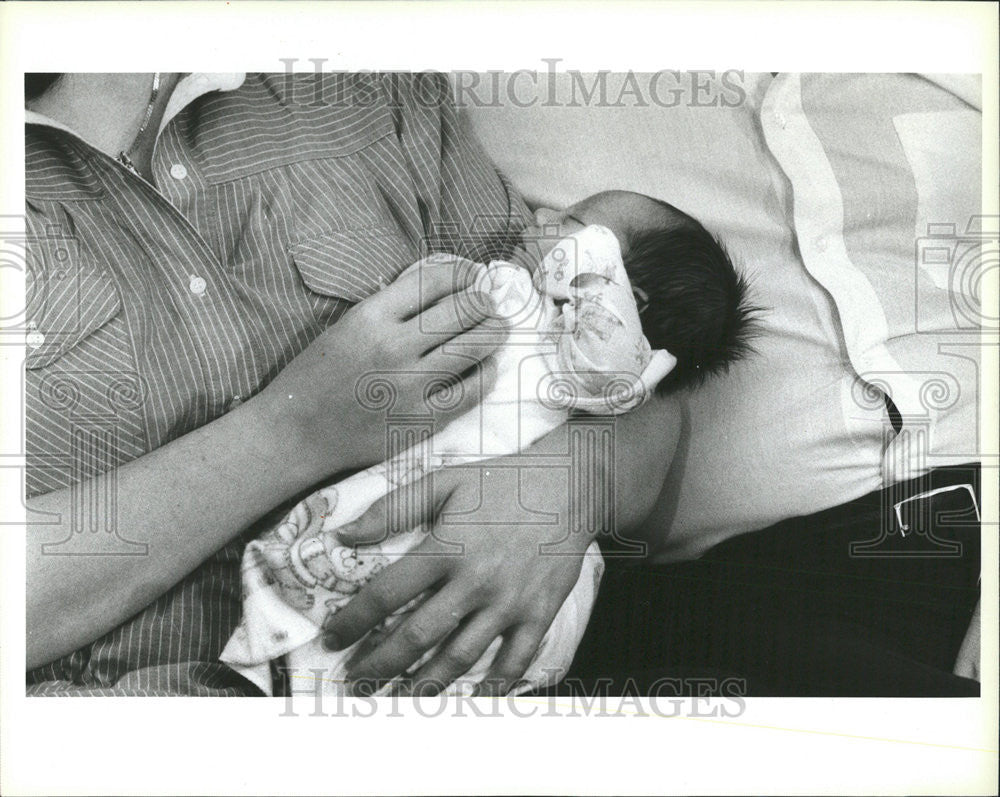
(577, 343)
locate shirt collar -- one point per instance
(189, 88)
(194, 85)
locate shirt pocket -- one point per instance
(352, 265)
(64, 309)
(83, 398)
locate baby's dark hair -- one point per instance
(692, 301)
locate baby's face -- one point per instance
(622, 212)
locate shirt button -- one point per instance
(178, 171)
(34, 339)
(197, 285)
(234, 402)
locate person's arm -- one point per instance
(502, 584)
(188, 498)
(184, 500)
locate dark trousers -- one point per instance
(844, 602)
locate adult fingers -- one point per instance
(398, 511)
(513, 660)
(450, 396)
(465, 350)
(427, 282)
(452, 316)
(387, 592)
(456, 656)
(426, 627)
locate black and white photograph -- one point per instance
(396, 372)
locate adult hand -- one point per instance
(397, 339)
(488, 571)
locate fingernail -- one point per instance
(331, 642)
(348, 529)
(518, 686)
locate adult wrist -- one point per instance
(286, 440)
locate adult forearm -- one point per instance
(183, 501)
(630, 473)
(645, 443)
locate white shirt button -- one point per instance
(234, 402)
(178, 171)
(34, 339)
(197, 285)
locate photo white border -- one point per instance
(195, 746)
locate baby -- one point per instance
(691, 300)
(605, 301)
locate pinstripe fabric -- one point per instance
(290, 200)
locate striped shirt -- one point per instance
(154, 308)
